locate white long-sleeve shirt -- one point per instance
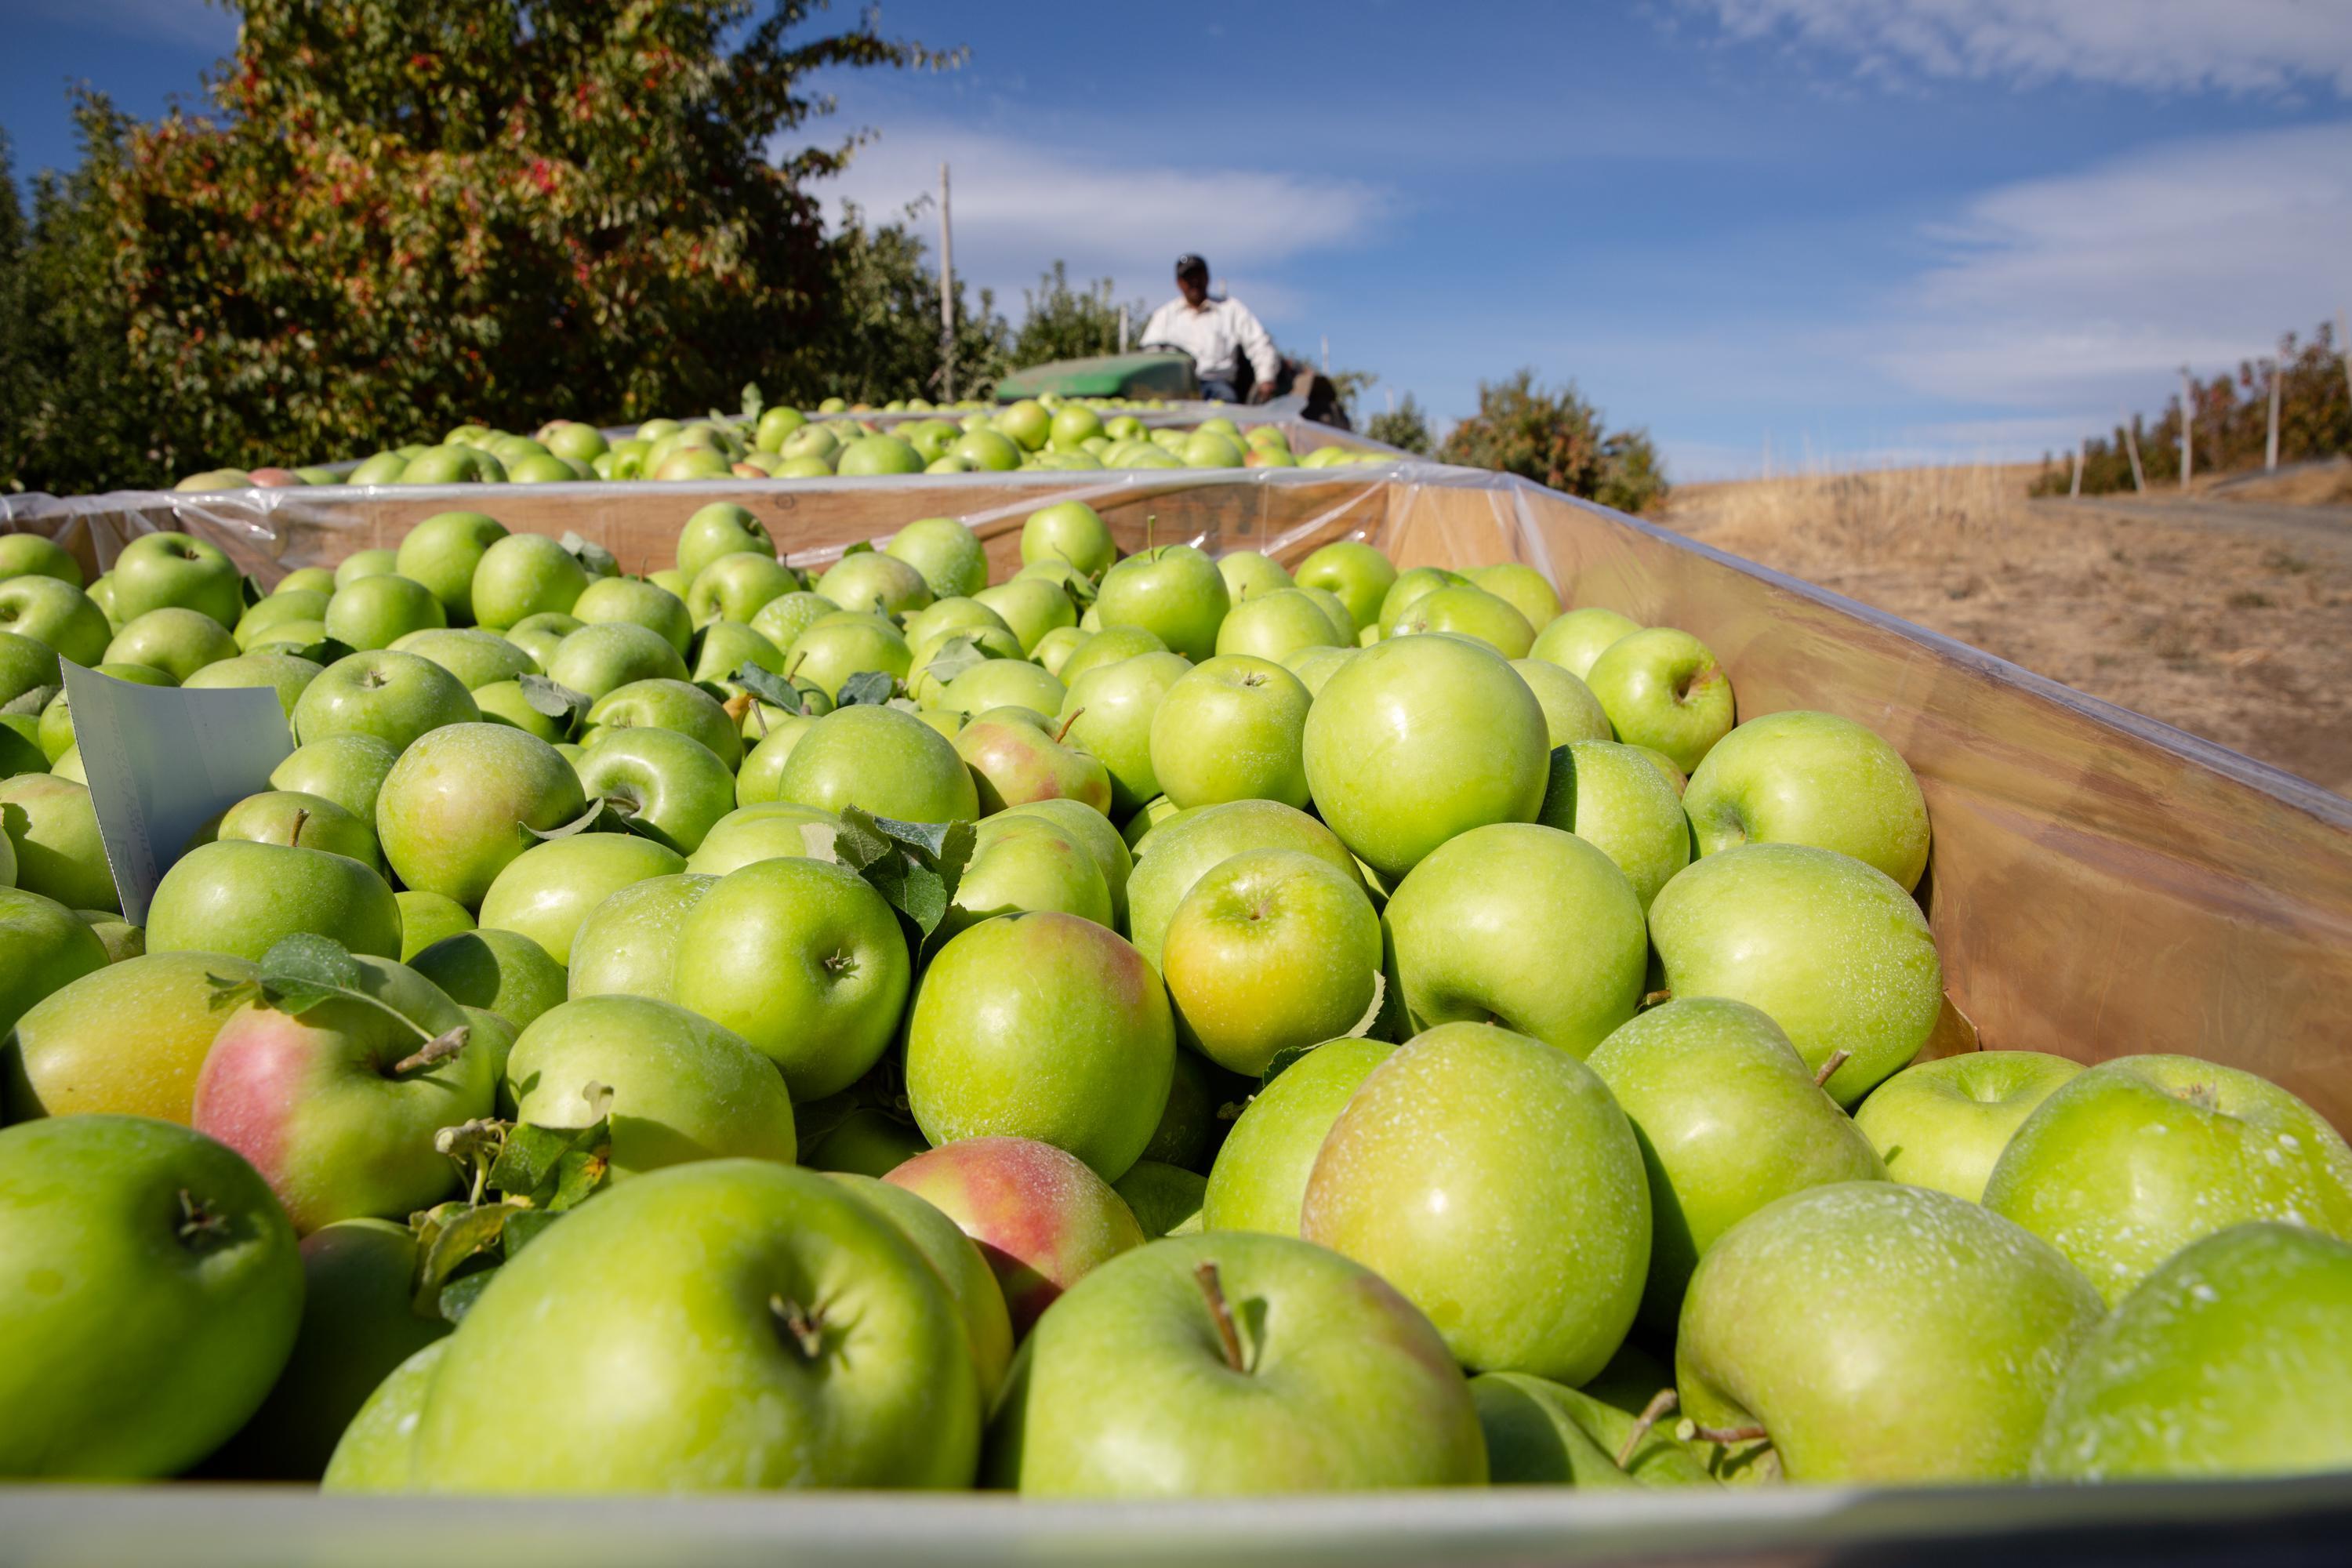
(1216, 335)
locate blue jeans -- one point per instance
(1220, 392)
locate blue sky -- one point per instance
(1854, 230)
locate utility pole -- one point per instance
(2187, 426)
(2270, 449)
(1327, 354)
(2344, 351)
(2075, 489)
(2131, 445)
(947, 295)
(1122, 328)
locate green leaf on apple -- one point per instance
(32, 701)
(874, 686)
(303, 969)
(449, 1237)
(771, 688)
(914, 866)
(857, 547)
(325, 651)
(249, 590)
(755, 402)
(954, 657)
(554, 699)
(1284, 1059)
(555, 1168)
(602, 816)
(598, 561)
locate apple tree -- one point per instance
(1557, 438)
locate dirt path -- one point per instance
(2323, 530)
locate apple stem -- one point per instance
(1838, 1059)
(794, 668)
(302, 820)
(201, 1225)
(1065, 725)
(440, 1048)
(1661, 1404)
(1151, 521)
(806, 1328)
(1222, 1314)
(1657, 998)
(1725, 1435)
(760, 717)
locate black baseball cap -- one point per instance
(1190, 266)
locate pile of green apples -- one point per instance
(1150, 1026)
(1045, 433)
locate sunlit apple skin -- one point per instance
(1260, 1176)
(52, 831)
(1571, 712)
(598, 660)
(1125, 1390)
(2228, 1360)
(881, 761)
(1001, 683)
(376, 612)
(55, 612)
(240, 896)
(1275, 623)
(1881, 1335)
(1042, 1025)
(1663, 688)
(394, 697)
(550, 889)
(178, 642)
(671, 786)
(628, 944)
(443, 552)
(501, 972)
(1173, 592)
(2127, 1163)
(610, 601)
(1615, 799)
(476, 658)
(1360, 574)
(349, 770)
(1811, 778)
(1031, 606)
(1522, 587)
(522, 575)
(1024, 864)
(962, 1268)
(1521, 925)
(1096, 649)
(1271, 949)
(949, 555)
(1249, 573)
(1094, 831)
(1068, 530)
(1728, 1117)
(1014, 763)
(156, 570)
(1231, 729)
(719, 530)
(1574, 640)
(1183, 851)
(451, 813)
(1467, 611)
(1943, 1125)
(1042, 1218)
(737, 586)
(128, 1040)
(1417, 739)
(1833, 950)
(763, 831)
(872, 581)
(1491, 1178)
(1108, 713)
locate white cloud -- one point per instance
(1019, 206)
(2229, 45)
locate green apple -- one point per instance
(1728, 1117)
(1831, 948)
(1271, 949)
(1315, 666)
(802, 959)
(1041, 1217)
(1615, 799)
(1042, 1025)
(762, 772)
(306, 580)
(32, 555)
(1811, 778)
(1234, 1365)
(1025, 865)
(944, 617)
(1174, 592)
(1416, 740)
(1275, 625)
(546, 892)
(682, 1088)
(461, 802)
(998, 683)
(1408, 588)
(1360, 574)
(1663, 689)
(663, 704)
(506, 703)
(1182, 852)
(628, 945)
(1031, 606)
(176, 641)
(280, 609)
(1521, 925)
(1573, 641)
(1943, 1125)
(1466, 611)
(27, 665)
(49, 947)
(1094, 832)
(476, 658)
(337, 1105)
(1070, 531)
(153, 1296)
(843, 645)
(1016, 762)
(1571, 714)
(2124, 1164)
(717, 530)
(1521, 586)
(126, 1038)
(970, 1283)
(394, 697)
(52, 829)
(1260, 1176)
(737, 586)
(763, 831)
(1541, 1433)
(778, 1332)
(598, 660)
(1493, 1180)
(722, 648)
(348, 769)
(2227, 1360)
(365, 563)
(874, 454)
(670, 785)
(1096, 650)
(1231, 729)
(1165, 1199)
(866, 1142)
(950, 557)
(52, 611)
(1249, 573)
(621, 601)
(1108, 713)
(376, 612)
(868, 580)
(286, 674)
(882, 760)
(443, 552)
(987, 449)
(307, 821)
(1879, 1333)
(541, 634)
(499, 972)
(426, 917)
(167, 570)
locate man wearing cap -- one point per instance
(1217, 333)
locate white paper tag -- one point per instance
(161, 760)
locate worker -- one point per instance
(1218, 334)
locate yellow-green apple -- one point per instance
(1878, 1334)
(1491, 1179)
(127, 1038)
(1031, 606)
(1028, 863)
(682, 1088)
(1663, 688)
(986, 449)
(1831, 948)
(1041, 1217)
(394, 697)
(1173, 592)
(665, 704)
(1108, 713)
(500, 971)
(737, 586)
(2227, 1360)
(1073, 426)
(669, 786)
(623, 601)
(289, 816)
(1249, 573)
(2124, 1164)
(1295, 1370)
(878, 455)
(306, 580)
(843, 645)
(154, 1297)
(879, 760)
(934, 661)
(1408, 588)
(240, 896)
(1275, 625)
(51, 611)
(723, 648)
(456, 809)
(1360, 574)
(1042, 1025)
(1165, 1199)
(970, 1283)
(870, 580)
(476, 658)
(598, 660)
(286, 674)
(1260, 1176)
(176, 641)
(26, 664)
(1270, 949)
(52, 830)
(628, 944)
(997, 683)
(336, 1106)
(541, 634)
(443, 552)
(1231, 729)
(1014, 762)
(1072, 532)
(1521, 586)
(1184, 851)
(1614, 798)
(167, 570)
(947, 554)
(1571, 714)
(778, 1332)
(1521, 925)
(1095, 833)
(804, 959)
(1728, 1117)
(32, 555)
(1470, 612)
(944, 617)
(1811, 778)
(348, 769)
(1315, 666)
(546, 891)
(362, 563)
(1418, 739)
(1097, 649)
(279, 608)
(1943, 1125)
(426, 917)
(376, 612)
(720, 529)
(763, 831)
(1573, 641)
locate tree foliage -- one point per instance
(883, 340)
(1405, 425)
(1557, 438)
(1064, 322)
